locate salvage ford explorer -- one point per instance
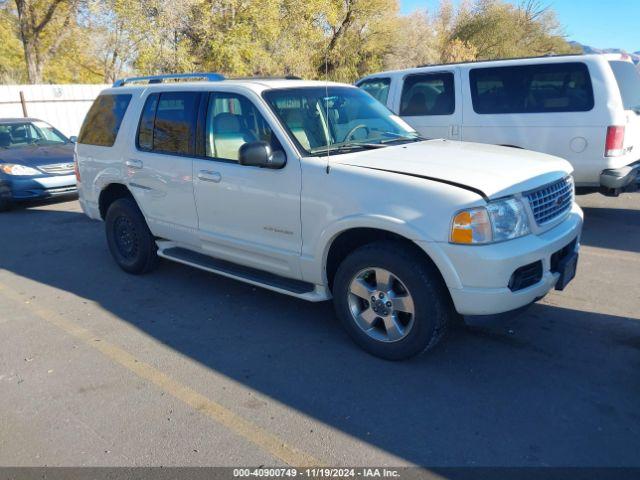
(316, 190)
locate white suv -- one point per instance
(316, 190)
(584, 108)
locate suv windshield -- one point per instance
(23, 134)
(628, 78)
(337, 119)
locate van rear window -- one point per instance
(553, 87)
(628, 78)
(103, 120)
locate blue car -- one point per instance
(36, 161)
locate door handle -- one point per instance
(133, 163)
(208, 176)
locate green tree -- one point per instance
(43, 26)
(101, 40)
(360, 35)
(12, 64)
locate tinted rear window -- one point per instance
(628, 78)
(428, 94)
(145, 129)
(168, 123)
(103, 120)
(554, 87)
(378, 88)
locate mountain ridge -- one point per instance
(635, 56)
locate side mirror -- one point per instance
(259, 154)
(73, 139)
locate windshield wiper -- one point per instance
(399, 136)
(346, 147)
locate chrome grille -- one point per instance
(57, 169)
(551, 201)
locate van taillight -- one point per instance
(76, 169)
(614, 146)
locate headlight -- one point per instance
(500, 220)
(11, 169)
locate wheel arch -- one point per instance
(346, 241)
(109, 194)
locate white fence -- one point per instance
(63, 106)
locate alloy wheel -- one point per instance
(381, 305)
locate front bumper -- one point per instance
(617, 180)
(478, 276)
(29, 188)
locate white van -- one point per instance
(584, 108)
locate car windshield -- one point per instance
(337, 119)
(23, 134)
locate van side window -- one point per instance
(232, 120)
(174, 127)
(553, 87)
(103, 120)
(428, 94)
(378, 88)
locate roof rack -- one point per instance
(548, 55)
(209, 77)
(266, 77)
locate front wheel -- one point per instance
(129, 238)
(5, 197)
(392, 304)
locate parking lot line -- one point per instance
(236, 423)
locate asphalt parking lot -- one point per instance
(182, 367)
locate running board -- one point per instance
(242, 273)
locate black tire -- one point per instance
(433, 309)
(129, 238)
(5, 198)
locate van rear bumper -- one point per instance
(617, 180)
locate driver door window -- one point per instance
(428, 94)
(232, 121)
(428, 104)
(246, 215)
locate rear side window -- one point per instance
(428, 94)
(168, 123)
(555, 87)
(378, 88)
(145, 130)
(103, 120)
(628, 78)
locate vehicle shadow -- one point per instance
(549, 386)
(614, 228)
(29, 204)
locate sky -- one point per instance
(597, 23)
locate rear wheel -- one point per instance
(393, 305)
(129, 238)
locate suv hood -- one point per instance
(490, 170)
(37, 155)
